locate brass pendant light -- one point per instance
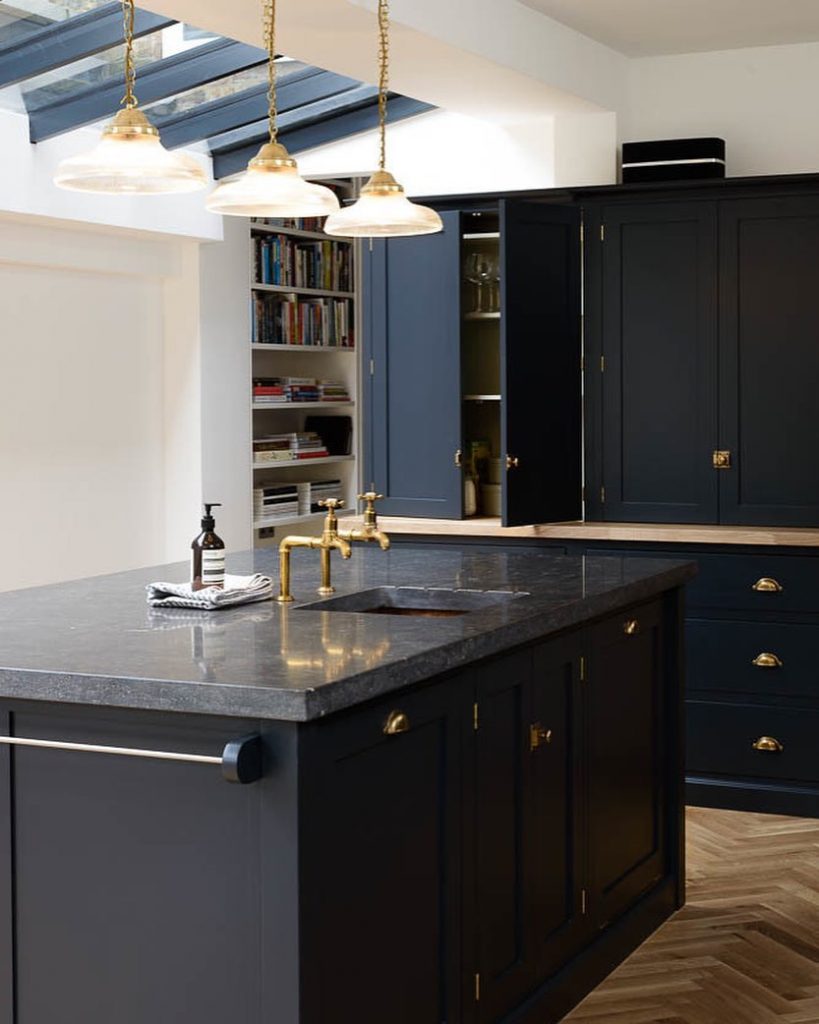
(383, 209)
(130, 158)
(271, 186)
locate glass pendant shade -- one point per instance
(383, 210)
(130, 159)
(272, 187)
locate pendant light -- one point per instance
(383, 209)
(130, 159)
(271, 186)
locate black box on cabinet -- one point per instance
(673, 160)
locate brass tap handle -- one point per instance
(538, 736)
(767, 660)
(370, 498)
(768, 745)
(332, 503)
(396, 722)
(767, 585)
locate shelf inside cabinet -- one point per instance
(324, 460)
(265, 522)
(320, 349)
(295, 406)
(481, 398)
(493, 315)
(316, 236)
(481, 236)
(286, 289)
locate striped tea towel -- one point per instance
(237, 590)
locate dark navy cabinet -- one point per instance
(441, 374)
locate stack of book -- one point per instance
(333, 391)
(320, 490)
(301, 389)
(289, 447)
(272, 501)
(268, 391)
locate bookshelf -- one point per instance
(304, 329)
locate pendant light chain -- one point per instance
(270, 42)
(129, 99)
(383, 77)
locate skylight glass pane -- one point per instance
(20, 18)
(107, 66)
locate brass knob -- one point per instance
(512, 462)
(538, 736)
(459, 458)
(767, 660)
(332, 503)
(631, 627)
(396, 722)
(768, 745)
(721, 460)
(766, 585)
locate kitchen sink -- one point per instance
(427, 602)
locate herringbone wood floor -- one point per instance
(744, 949)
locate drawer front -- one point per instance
(758, 582)
(766, 659)
(721, 740)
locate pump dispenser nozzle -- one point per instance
(208, 522)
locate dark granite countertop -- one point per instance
(97, 642)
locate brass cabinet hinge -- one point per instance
(477, 987)
(602, 364)
(602, 232)
(582, 668)
(475, 719)
(602, 495)
(372, 367)
(582, 232)
(584, 902)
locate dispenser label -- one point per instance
(213, 568)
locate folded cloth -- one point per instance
(237, 590)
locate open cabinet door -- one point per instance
(541, 414)
(412, 373)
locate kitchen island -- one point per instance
(466, 815)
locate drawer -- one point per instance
(721, 741)
(730, 582)
(767, 659)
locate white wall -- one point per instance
(761, 100)
(89, 432)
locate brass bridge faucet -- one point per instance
(331, 538)
(328, 540)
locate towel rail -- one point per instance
(240, 761)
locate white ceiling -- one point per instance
(646, 27)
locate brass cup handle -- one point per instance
(767, 660)
(396, 723)
(459, 458)
(767, 585)
(768, 745)
(631, 627)
(538, 736)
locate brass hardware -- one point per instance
(582, 668)
(602, 364)
(459, 458)
(768, 745)
(721, 460)
(631, 627)
(538, 736)
(325, 544)
(602, 232)
(767, 660)
(584, 902)
(602, 495)
(477, 988)
(767, 585)
(396, 722)
(512, 462)
(369, 531)
(475, 719)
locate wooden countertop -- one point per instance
(671, 533)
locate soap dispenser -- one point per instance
(208, 562)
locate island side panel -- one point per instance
(136, 882)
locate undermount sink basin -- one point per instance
(430, 602)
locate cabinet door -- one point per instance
(541, 415)
(380, 870)
(412, 325)
(136, 882)
(656, 329)
(769, 361)
(626, 753)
